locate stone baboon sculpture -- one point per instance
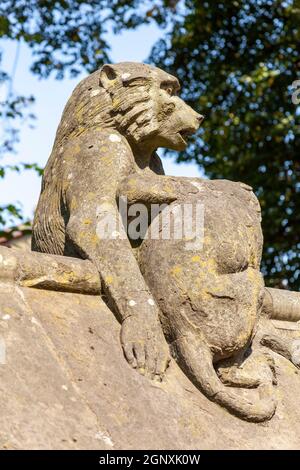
(207, 300)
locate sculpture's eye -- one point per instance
(168, 88)
(170, 91)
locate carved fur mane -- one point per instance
(126, 106)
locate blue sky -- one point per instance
(51, 96)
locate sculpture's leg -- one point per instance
(250, 372)
(195, 358)
(267, 335)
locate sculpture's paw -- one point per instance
(145, 347)
(295, 352)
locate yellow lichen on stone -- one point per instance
(176, 270)
(109, 280)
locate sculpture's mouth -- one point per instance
(186, 133)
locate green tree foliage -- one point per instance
(237, 61)
(64, 36)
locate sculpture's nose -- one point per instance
(200, 118)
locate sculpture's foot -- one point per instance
(267, 335)
(195, 358)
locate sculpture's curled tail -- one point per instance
(196, 359)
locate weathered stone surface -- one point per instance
(282, 304)
(203, 303)
(51, 272)
(210, 290)
(30, 269)
(66, 385)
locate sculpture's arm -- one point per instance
(151, 188)
(95, 231)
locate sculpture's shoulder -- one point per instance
(95, 138)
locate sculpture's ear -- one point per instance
(108, 75)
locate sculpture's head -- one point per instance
(138, 100)
(145, 105)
